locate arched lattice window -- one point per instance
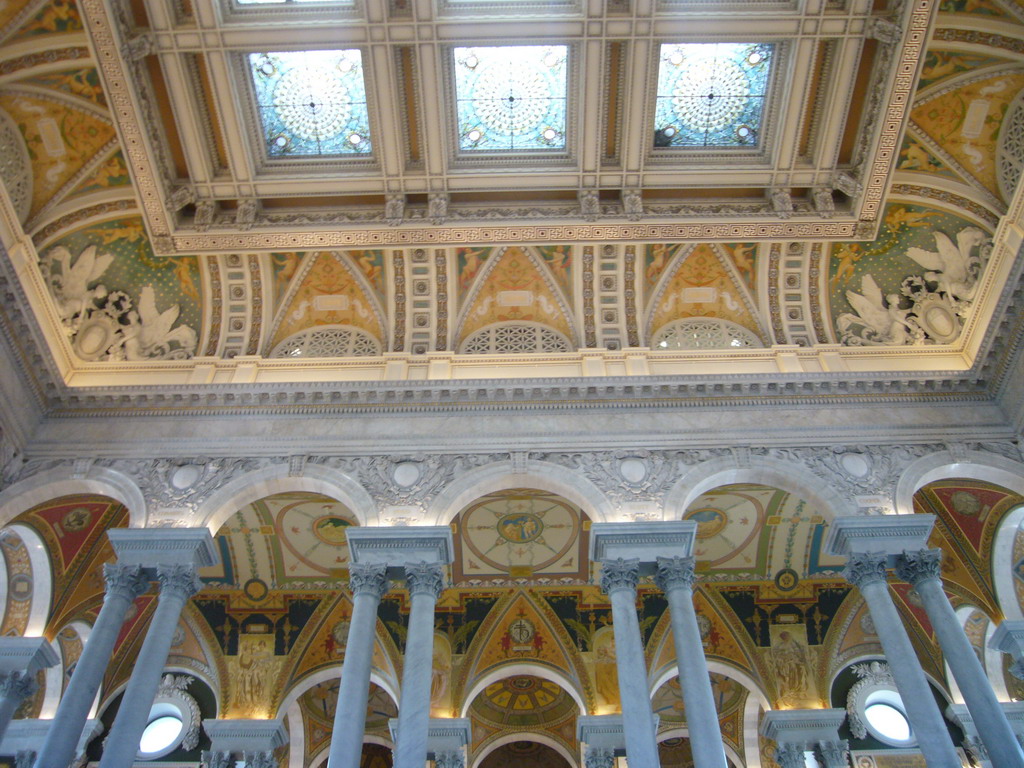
(1010, 150)
(703, 333)
(514, 339)
(328, 341)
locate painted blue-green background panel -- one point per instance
(511, 98)
(311, 102)
(711, 94)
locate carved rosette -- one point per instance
(424, 578)
(790, 756)
(865, 568)
(917, 566)
(675, 573)
(128, 581)
(599, 757)
(619, 574)
(368, 579)
(17, 685)
(179, 581)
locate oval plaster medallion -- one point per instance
(632, 470)
(855, 464)
(406, 473)
(185, 476)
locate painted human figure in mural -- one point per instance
(606, 674)
(790, 660)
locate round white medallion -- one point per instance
(185, 476)
(855, 464)
(632, 470)
(406, 473)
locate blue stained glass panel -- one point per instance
(511, 97)
(711, 94)
(311, 102)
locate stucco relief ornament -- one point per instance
(930, 307)
(110, 325)
(790, 755)
(175, 688)
(873, 675)
(623, 476)
(216, 759)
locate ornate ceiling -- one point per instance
(157, 238)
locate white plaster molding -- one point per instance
(322, 676)
(523, 668)
(503, 476)
(61, 481)
(42, 579)
(986, 466)
(726, 470)
(214, 511)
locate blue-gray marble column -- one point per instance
(124, 584)
(425, 583)
(368, 583)
(619, 578)
(178, 583)
(675, 577)
(866, 571)
(922, 570)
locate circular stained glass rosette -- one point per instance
(311, 102)
(511, 98)
(711, 94)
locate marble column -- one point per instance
(866, 571)
(833, 753)
(178, 583)
(124, 584)
(20, 659)
(425, 582)
(368, 584)
(619, 578)
(921, 569)
(675, 577)
(447, 739)
(1009, 638)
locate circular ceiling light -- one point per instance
(161, 735)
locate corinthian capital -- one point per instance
(450, 758)
(790, 756)
(619, 574)
(916, 566)
(367, 579)
(599, 757)
(216, 758)
(865, 568)
(424, 578)
(178, 580)
(17, 685)
(675, 572)
(125, 580)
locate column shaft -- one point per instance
(922, 570)
(124, 584)
(923, 712)
(618, 579)
(368, 583)
(414, 707)
(177, 584)
(675, 577)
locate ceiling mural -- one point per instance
(701, 281)
(331, 288)
(515, 284)
(524, 754)
(520, 534)
(319, 703)
(759, 531)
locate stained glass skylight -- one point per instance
(711, 94)
(511, 97)
(311, 102)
